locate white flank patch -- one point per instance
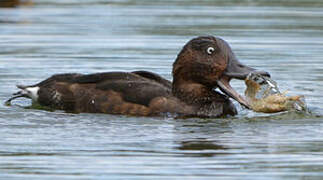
(57, 96)
(33, 92)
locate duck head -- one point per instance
(209, 61)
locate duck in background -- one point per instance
(14, 3)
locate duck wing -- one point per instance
(138, 87)
(87, 78)
(118, 92)
(74, 91)
(154, 77)
(139, 92)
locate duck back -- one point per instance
(111, 92)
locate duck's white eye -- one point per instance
(210, 50)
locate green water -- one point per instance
(284, 38)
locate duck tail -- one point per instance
(19, 94)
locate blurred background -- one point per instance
(39, 38)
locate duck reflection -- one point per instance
(202, 148)
(200, 145)
(14, 3)
(198, 137)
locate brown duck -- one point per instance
(204, 64)
(14, 3)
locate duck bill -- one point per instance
(225, 87)
(236, 70)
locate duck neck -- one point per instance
(192, 93)
(206, 101)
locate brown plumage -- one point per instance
(14, 3)
(203, 64)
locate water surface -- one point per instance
(90, 36)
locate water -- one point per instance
(90, 36)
